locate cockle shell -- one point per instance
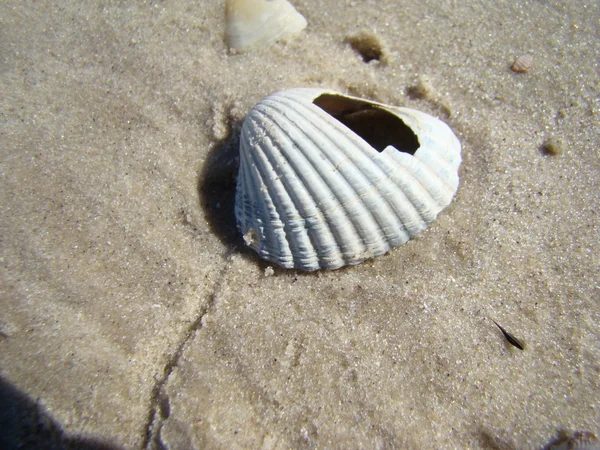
(251, 24)
(327, 180)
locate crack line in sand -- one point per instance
(159, 400)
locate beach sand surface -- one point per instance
(132, 315)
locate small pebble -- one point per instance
(523, 64)
(551, 147)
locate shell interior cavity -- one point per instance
(258, 23)
(327, 180)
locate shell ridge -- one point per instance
(255, 180)
(420, 199)
(443, 169)
(244, 179)
(319, 115)
(367, 199)
(298, 244)
(349, 241)
(313, 193)
(345, 240)
(384, 176)
(381, 181)
(415, 202)
(439, 147)
(416, 192)
(438, 188)
(318, 229)
(313, 221)
(434, 164)
(366, 158)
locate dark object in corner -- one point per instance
(510, 338)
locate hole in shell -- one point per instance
(378, 127)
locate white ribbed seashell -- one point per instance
(257, 23)
(327, 180)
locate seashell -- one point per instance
(327, 180)
(523, 64)
(258, 23)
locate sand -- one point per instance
(133, 317)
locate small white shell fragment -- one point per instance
(328, 180)
(523, 64)
(258, 23)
